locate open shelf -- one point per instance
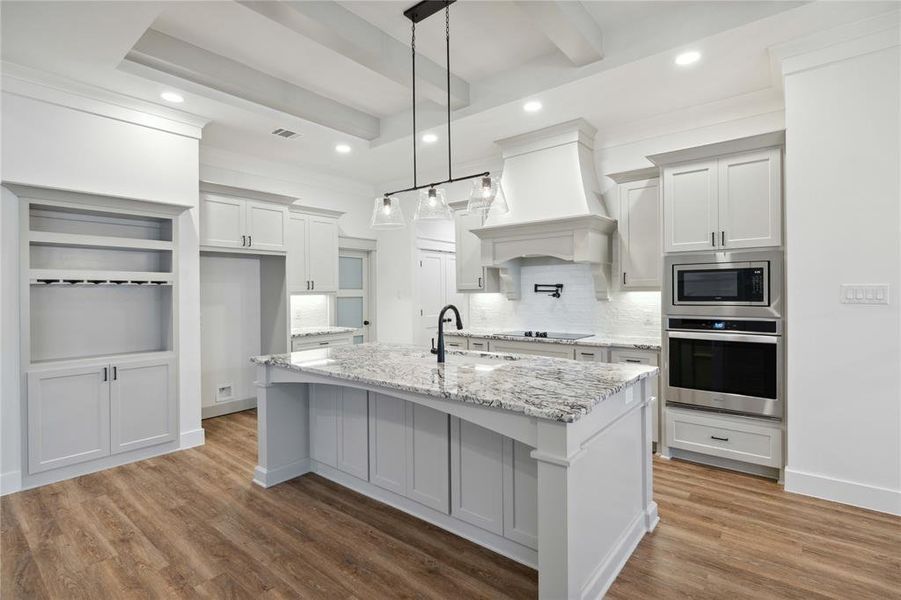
(91, 277)
(80, 240)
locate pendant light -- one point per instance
(432, 204)
(487, 195)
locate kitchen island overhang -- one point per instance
(568, 445)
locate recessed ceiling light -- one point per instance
(342, 148)
(532, 106)
(429, 138)
(687, 58)
(172, 97)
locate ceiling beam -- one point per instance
(342, 31)
(177, 58)
(569, 27)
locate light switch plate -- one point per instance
(860, 293)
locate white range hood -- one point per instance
(555, 207)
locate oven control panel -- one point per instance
(732, 325)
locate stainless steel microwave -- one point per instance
(740, 283)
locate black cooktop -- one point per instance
(551, 335)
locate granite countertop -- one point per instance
(322, 330)
(604, 341)
(548, 388)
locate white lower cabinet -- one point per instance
(90, 410)
(643, 357)
(68, 416)
(535, 348)
(427, 457)
(324, 424)
(339, 423)
(738, 438)
(520, 494)
(388, 442)
(458, 343)
(477, 475)
(592, 354)
(142, 404)
(310, 342)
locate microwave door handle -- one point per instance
(724, 337)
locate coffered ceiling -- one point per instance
(339, 72)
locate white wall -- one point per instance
(230, 326)
(842, 226)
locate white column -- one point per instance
(283, 430)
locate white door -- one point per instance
(266, 224)
(68, 416)
(353, 441)
(296, 258)
(520, 494)
(352, 301)
(690, 207)
(428, 445)
(432, 294)
(477, 475)
(750, 199)
(142, 403)
(469, 252)
(222, 221)
(639, 228)
(323, 254)
(388, 442)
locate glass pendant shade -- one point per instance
(487, 194)
(432, 206)
(386, 213)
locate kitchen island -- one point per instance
(545, 460)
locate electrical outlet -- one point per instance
(856, 293)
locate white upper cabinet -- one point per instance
(689, 207)
(731, 202)
(750, 199)
(639, 229)
(232, 222)
(312, 253)
(471, 275)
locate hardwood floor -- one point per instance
(191, 525)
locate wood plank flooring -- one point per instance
(191, 525)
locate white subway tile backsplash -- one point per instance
(309, 311)
(576, 311)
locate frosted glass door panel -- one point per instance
(350, 273)
(350, 312)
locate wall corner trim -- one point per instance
(192, 439)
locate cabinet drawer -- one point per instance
(643, 357)
(478, 345)
(458, 343)
(735, 438)
(534, 348)
(592, 354)
(309, 343)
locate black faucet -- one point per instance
(440, 350)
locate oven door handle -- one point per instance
(725, 337)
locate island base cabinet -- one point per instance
(338, 428)
(142, 404)
(68, 416)
(477, 475)
(520, 494)
(388, 442)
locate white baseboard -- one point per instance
(190, 439)
(10, 482)
(268, 478)
(846, 492)
(606, 572)
(226, 408)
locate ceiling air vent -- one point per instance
(285, 133)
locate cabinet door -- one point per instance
(297, 260)
(690, 207)
(644, 357)
(222, 221)
(477, 475)
(750, 199)
(324, 424)
(68, 416)
(266, 224)
(478, 345)
(427, 457)
(388, 442)
(639, 228)
(323, 253)
(520, 494)
(353, 442)
(470, 275)
(592, 354)
(142, 403)
(534, 348)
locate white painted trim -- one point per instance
(228, 190)
(840, 490)
(52, 89)
(482, 537)
(718, 149)
(875, 42)
(642, 174)
(10, 482)
(191, 439)
(607, 571)
(225, 408)
(346, 242)
(267, 478)
(435, 245)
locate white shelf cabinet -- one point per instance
(312, 253)
(233, 222)
(84, 410)
(726, 203)
(471, 275)
(639, 234)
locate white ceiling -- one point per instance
(257, 67)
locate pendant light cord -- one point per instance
(413, 49)
(447, 51)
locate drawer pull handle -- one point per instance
(720, 439)
(323, 343)
(633, 360)
(587, 353)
